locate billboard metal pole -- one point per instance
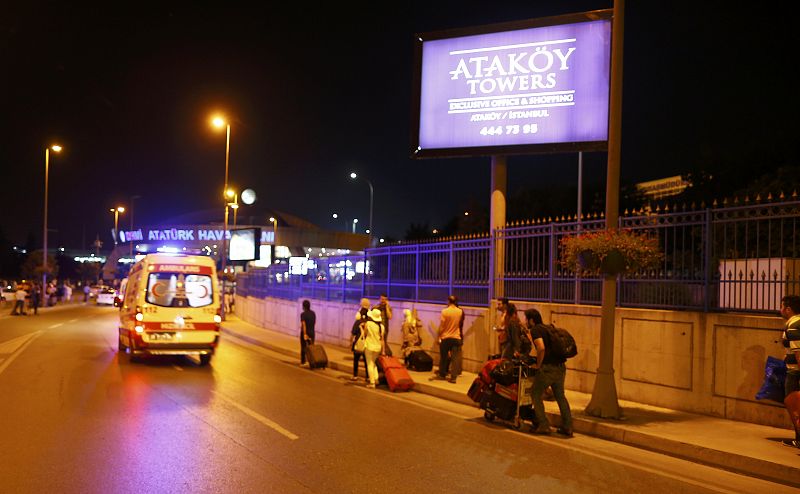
(604, 402)
(497, 221)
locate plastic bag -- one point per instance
(774, 377)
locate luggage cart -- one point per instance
(502, 404)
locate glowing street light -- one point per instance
(116, 211)
(232, 194)
(355, 221)
(274, 222)
(354, 176)
(56, 148)
(219, 122)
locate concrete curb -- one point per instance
(603, 429)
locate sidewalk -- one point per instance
(751, 449)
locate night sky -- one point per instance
(316, 91)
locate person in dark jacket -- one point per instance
(36, 298)
(358, 329)
(551, 371)
(518, 343)
(307, 321)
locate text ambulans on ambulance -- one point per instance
(171, 307)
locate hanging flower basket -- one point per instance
(614, 263)
(587, 260)
(610, 252)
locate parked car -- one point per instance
(7, 294)
(120, 295)
(105, 296)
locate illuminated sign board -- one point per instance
(244, 245)
(534, 86)
(184, 235)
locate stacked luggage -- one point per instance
(497, 391)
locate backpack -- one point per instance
(561, 344)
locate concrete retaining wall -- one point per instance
(697, 362)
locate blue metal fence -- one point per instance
(738, 258)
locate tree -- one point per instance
(32, 266)
(89, 271)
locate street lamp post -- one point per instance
(116, 211)
(235, 206)
(354, 176)
(355, 221)
(336, 216)
(130, 242)
(219, 122)
(56, 148)
(274, 222)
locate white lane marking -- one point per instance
(610, 451)
(399, 397)
(177, 367)
(257, 416)
(18, 350)
(72, 320)
(55, 325)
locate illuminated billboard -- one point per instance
(528, 87)
(244, 244)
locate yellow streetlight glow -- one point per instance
(218, 122)
(230, 193)
(116, 211)
(56, 148)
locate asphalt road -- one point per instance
(76, 418)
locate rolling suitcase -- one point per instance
(477, 390)
(420, 361)
(316, 357)
(388, 362)
(398, 378)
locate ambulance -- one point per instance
(171, 307)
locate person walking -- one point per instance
(355, 334)
(519, 343)
(19, 302)
(36, 298)
(373, 344)
(790, 311)
(85, 292)
(308, 320)
(500, 327)
(449, 337)
(67, 291)
(386, 317)
(550, 370)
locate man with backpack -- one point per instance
(550, 371)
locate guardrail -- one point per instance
(740, 258)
